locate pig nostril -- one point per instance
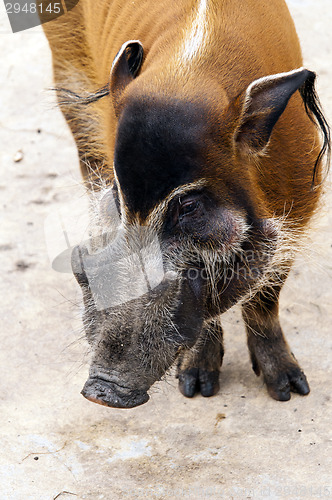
(77, 266)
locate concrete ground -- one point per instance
(239, 444)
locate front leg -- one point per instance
(269, 351)
(198, 368)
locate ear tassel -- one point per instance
(315, 113)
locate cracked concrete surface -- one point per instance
(54, 444)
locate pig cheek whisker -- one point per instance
(95, 180)
(289, 243)
(273, 258)
(168, 382)
(82, 362)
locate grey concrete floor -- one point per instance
(54, 444)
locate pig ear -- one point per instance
(125, 68)
(264, 101)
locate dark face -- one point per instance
(177, 255)
(158, 149)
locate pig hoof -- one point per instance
(195, 380)
(188, 382)
(291, 381)
(208, 383)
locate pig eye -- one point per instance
(187, 206)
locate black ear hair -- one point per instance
(125, 68)
(315, 113)
(264, 101)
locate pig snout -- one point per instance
(104, 392)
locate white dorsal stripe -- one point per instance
(197, 33)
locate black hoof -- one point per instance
(299, 383)
(188, 382)
(293, 380)
(196, 380)
(208, 383)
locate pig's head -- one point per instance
(192, 236)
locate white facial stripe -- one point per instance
(195, 38)
(154, 218)
(123, 207)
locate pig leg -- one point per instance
(73, 70)
(198, 368)
(269, 351)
